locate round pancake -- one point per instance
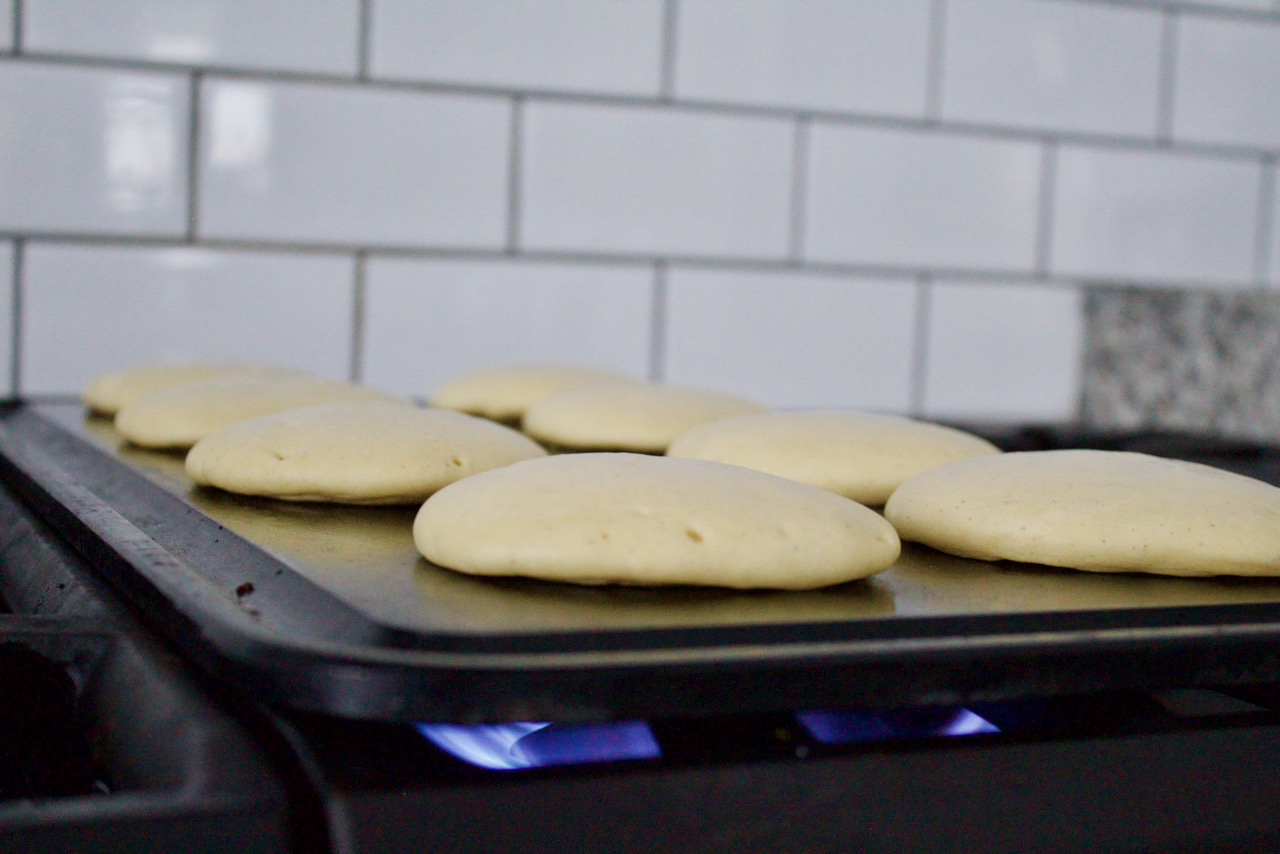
(1101, 511)
(635, 519)
(354, 453)
(504, 393)
(108, 393)
(634, 416)
(859, 455)
(179, 416)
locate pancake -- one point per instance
(602, 518)
(859, 455)
(1100, 511)
(643, 417)
(504, 393)
(354, 453)
(108, 393)
(179, 416)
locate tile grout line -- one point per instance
(920, 348)
(799, 189)
(364, 22)
(1089, 342)
(15, 346)
(17, 22)
(1044, 225)
(667, 66)
(514, 175)
(936, 60)
(355, 371)
(838, 269)
(658, 324)
(1265, 222)
(1206, 9)
(193, 157)
(1168, 77)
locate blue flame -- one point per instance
(513, 746)
(845, 727)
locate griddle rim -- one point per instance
(338, 661)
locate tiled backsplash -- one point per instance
(900, 205)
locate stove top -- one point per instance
(162, 754)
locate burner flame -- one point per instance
(516, 746)
(846, 727)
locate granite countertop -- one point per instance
(1183, 360)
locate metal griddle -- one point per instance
(330, 609)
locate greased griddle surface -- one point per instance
(366, 557)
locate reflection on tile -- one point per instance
(576, 45)
(1061, 66)
(1153, 216)
(856, 55)
(1003, 352)
(92, 309)
(643, 180)
(1228, 82)
(896, 197)
(791, 340)
(92, 150)
(347, 165)
(429, 320)
(320, 35)
(1205, 362)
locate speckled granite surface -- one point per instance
(1194, 360)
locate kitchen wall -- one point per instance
(899, 205)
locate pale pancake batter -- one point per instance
(504, 393)
(636, 416)
(1102, 511)
(180, 416)
(859, 455)
(624, 518)
(109, 392)
(355, 453)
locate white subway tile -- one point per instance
(92, 150)
(1228, 81)
(793, 340)
(896, 197)
(1003, 352)
(852, 55)
(1154, 217)
(6, 24)
(575, 45)
(648, 180)
(349, 165)
(429, 320)
(1060, 66)
(319, 35)
(92, 309)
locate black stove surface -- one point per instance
(174, 763)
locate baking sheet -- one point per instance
(331, 609)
